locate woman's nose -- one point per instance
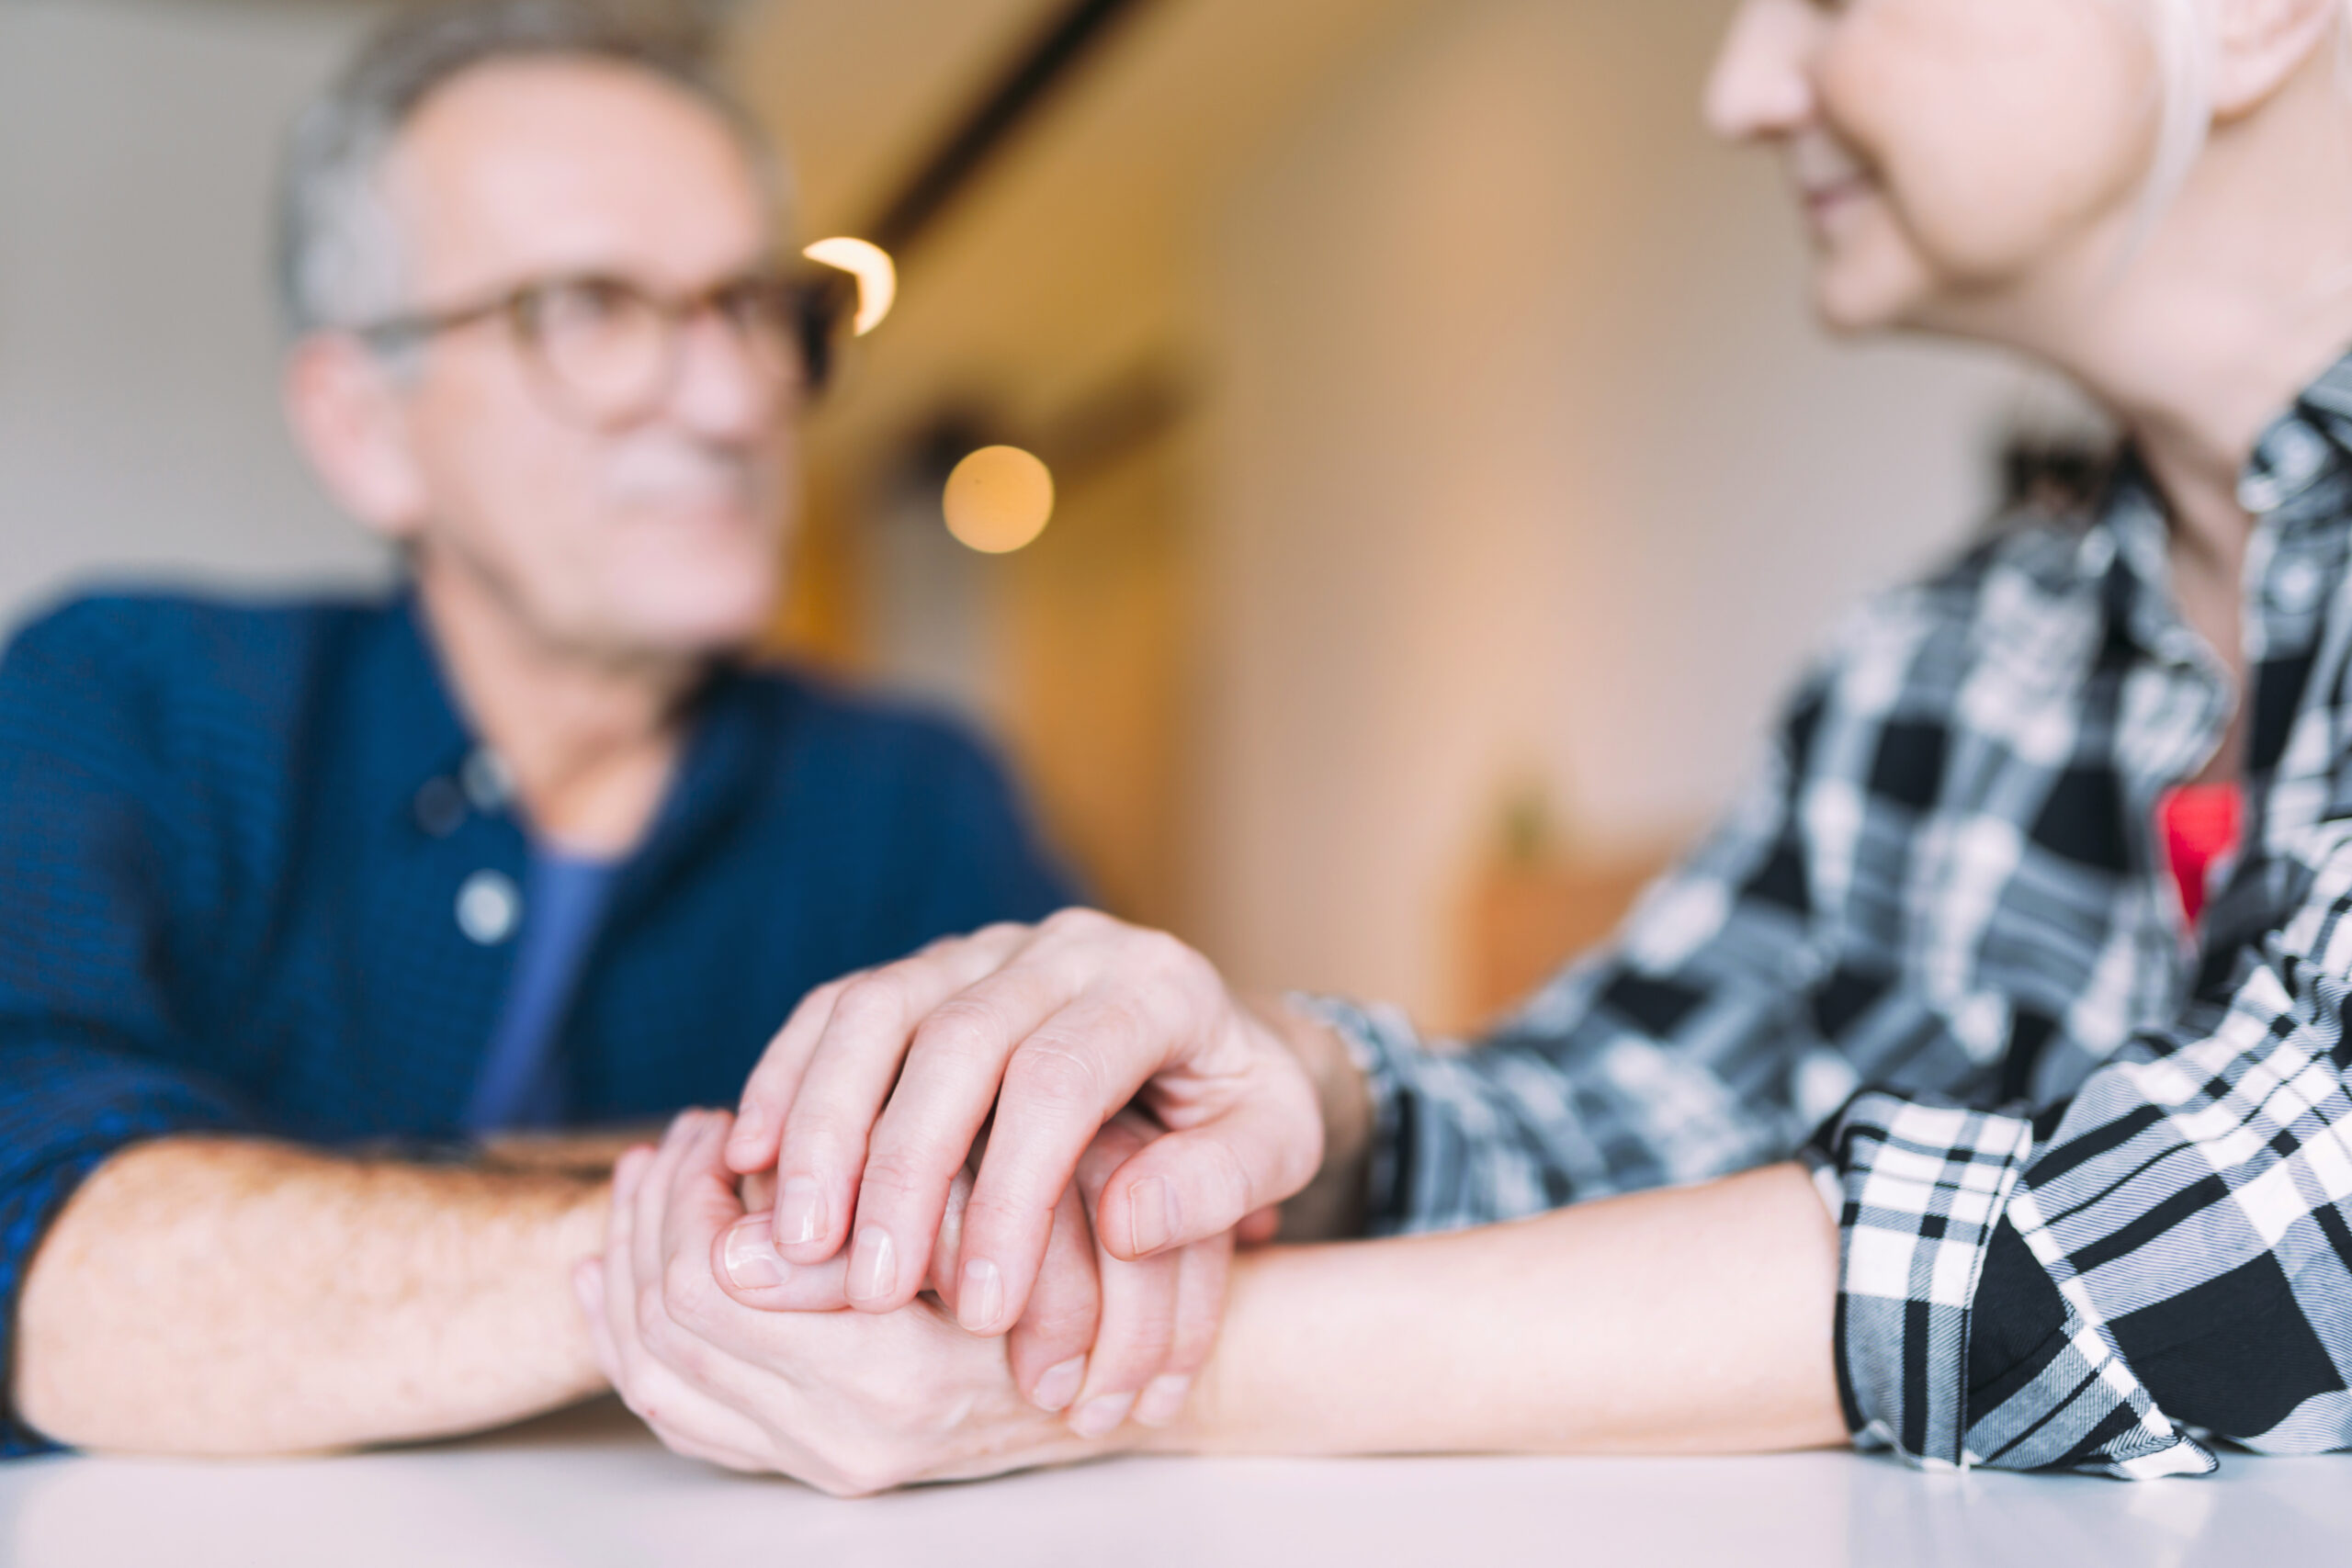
(1761, 86)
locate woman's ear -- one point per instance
(347, 413)
(2260, 45)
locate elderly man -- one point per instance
(296, 900)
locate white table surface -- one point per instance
(590, 1488)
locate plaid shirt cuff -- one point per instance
(1925, 1189)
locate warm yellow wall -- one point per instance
(1525, 464)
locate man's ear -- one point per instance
(347, 413)
(2260, 45)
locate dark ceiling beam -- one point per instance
(1050, 64)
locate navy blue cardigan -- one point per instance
(233, 842)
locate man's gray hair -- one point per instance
(339, 262)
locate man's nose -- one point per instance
(722, 391)
(1761, 86)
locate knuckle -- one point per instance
(819, 1140)
(1055, 1074)
(872, 999)
(985, 1209)
(888, 1179)
(961, 1027)
(823, 996)
(1077, 920)
(1060, 1321)
(1169, 955)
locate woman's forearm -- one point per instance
(221, 1296)
(1695, 1320)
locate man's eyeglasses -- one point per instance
(605, 350)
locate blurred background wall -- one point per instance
(138, 428)
(1449, 476)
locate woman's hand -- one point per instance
(849, 1402)
(870, 1101)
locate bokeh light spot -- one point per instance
(999, 498)
(877, 274)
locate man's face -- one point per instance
(657, 533)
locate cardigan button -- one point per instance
(488, 908)
(440, 807)
(487, 779)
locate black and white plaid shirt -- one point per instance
(2095, 1178)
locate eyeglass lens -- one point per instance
(609, 349)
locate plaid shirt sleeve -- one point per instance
(2165, 1256)
(1697, 1045)
(2162, 1257)
(86, 1020)
(2155, 1253)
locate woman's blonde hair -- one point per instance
(2185, 53)
(2184, 49)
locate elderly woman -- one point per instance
(1996, 1142)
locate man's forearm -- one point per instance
(1697, 1320)
(221, 1296)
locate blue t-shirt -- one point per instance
(256, 877)
(522, 1082)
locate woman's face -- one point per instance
(1958, 162)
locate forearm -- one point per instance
(1697, 1320)
(217, 1296)
(589, 1154)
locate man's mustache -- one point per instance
(674, 474)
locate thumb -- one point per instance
(754, 1273)
(1189, 1186)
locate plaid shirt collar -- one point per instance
(2297, 486)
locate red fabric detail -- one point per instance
(2198, 824)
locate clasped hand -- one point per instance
(1017, 1297)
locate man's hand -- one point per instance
(1102, 1336)
(847, 1402)
(871, 1099)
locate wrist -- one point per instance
(568, 1231)
(1332, 1204)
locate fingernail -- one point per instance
(799, 1211)
(1099, 1417)
(1060, 1385)
(752, 1260)
(981, 1297)
(1162, 1400)
(873, 1265)
(1151, 1215)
